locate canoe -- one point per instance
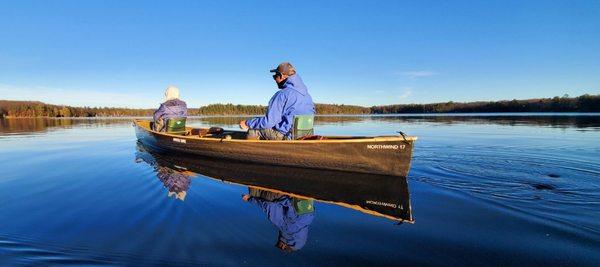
(379, 195)
(385, 155)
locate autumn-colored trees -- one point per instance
(584, 103)
(39, 109)
(230, 109)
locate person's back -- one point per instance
(298, 102)
(293, 99)
(173, 107)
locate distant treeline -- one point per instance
(40, 109)
(230, 109)
(10, 108)
(584, 103)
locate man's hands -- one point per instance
(243, 125)
(246, 197)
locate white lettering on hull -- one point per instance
(179, 140)
(379, 203)
(386, 146)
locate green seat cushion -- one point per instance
(304, 122)
(303, 125)
(176, 125)
(303, 206)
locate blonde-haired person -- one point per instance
(173, 107)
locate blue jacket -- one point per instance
(173, 108)
(293, 228)
(292, 99)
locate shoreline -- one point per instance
(444, 114)
(583, 103)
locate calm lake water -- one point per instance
(483, 189)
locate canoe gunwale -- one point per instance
(347, 139)
(377, 155)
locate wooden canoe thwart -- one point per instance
(386, 155)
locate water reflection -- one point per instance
(379, 195)
(558, 120)
(555, 120)
(176, 182)
(291, 215)
(286, 195)
(519, 192)
(38, 125)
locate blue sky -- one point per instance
(125, 53)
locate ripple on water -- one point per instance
(27, 250)
(75, 196)
(539, 183)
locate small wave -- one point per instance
(27, 250)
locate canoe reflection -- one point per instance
(379, 195)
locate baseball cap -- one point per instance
(285, 68)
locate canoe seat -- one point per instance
(303, 125)
(176, 126)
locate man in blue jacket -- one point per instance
(292, 99)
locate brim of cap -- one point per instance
(273, 70)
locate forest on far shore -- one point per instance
(583, 103)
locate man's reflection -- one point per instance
(290, 215)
